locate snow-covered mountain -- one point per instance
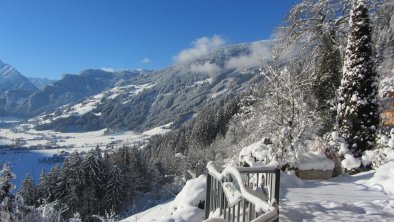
(11, 79)
(173, 94)
(70, 89)
(40, 82)
(14, 88)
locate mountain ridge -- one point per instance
(174, 94)
(27, 97)
(12, 79)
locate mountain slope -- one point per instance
(72, 88)
(40, 83)
(174, 94)
(11, 79)
(14, 88)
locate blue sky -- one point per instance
(47, 38)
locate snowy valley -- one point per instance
(299, 127)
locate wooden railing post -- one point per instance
(277, 187)
(208, 196)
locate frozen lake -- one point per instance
(31, 162)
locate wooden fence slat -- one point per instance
(207, 197)
(239, 211)
(250, 211)
(244, 211)
(234, 213)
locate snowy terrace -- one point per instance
(363, 197)
(367, 196)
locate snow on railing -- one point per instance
(242, 193)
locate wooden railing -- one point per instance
(242, 193)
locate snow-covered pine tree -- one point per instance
(14, 209)
(203, 132)
(327, 81)
(52, 184)
(94, 170)
(42, 188)
(6, 177)
(138, 171)
(70, 184)
(28, 191)
(122, 159)
(114, 189)
(358, 115)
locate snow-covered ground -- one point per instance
(363, 197)
(24, 135)
(345, 198)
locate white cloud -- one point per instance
(107, 69)
(146, 60)
(206, 67)
(201, 47)
(259, 53)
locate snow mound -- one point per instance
(256, 152)
(368, 157)
(350, 162)
(391, 140)
(386, 85)
(287, 181)
(314, 161)
(191, 195)
(383, 178)
(183, 208)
